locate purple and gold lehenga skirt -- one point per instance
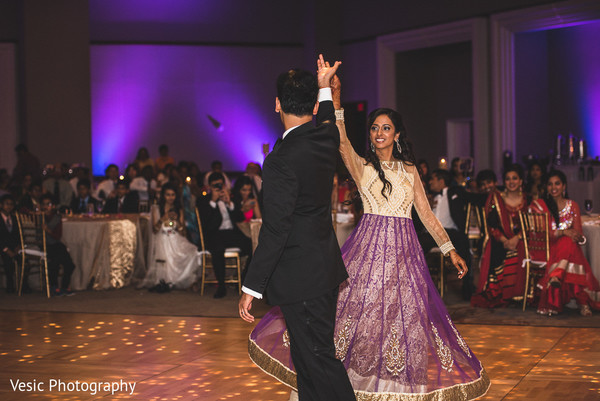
(393, 332)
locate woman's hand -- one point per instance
(573, 234)
(511, 244)
(459, 263)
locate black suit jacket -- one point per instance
(10, 239)
(298, 257)
(130, 204)
(76, 202)
(211, 217)
(457, 202)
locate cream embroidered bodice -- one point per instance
(407, 190)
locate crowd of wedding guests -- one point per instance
(170, 191)
(568, 277)
(173, 191)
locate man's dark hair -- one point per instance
(6, 197)
(486, 175)
(216, 163)
(47, 196)
(163, 147)
(297, 91)
(444, 175)
(123, 182)
(112, 165)
(84, 182)
(215, 177)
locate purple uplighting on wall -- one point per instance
(149, 95)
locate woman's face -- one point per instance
(170, 196)
(245, 191)
(535, 172)
(512, 181)
(424, 169)
(383, 133)
(131, 173)
(143, 154)
(555, 187)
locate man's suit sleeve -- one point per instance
(280, 190)
(211, 217)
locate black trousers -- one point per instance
(221, 239)
(321, 376)
(463, 248)
(9, 270)
(59, 255)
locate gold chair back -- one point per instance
(536, 241)
(32, 235)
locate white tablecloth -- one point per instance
(591, 250)
(107, 251)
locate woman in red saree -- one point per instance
(568, 273)
(502, 277)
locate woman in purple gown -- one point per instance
(393, 332)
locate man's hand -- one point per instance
(326, 72)
(244, 306)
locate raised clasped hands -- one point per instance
(459, 263)
(326, 72)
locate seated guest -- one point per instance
(244, 199)
(219, 217)
(106, 188)
(57, 186)
(534, 185)
(487, 181)
(163, 159)
(79, 172)
(568, 273)
(502, 277)
(217, 167)
(10, 241)
(131, 172)
(143, 159)
(57, 252)
(254, 171)
(449, 208)
(424, 173)
(81, 201)
(173, 259)
(125, 201)
(30, 202)
(144, 185)
(458, 175)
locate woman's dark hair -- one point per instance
(516, 168)
(550, 202)
(162, 202)
(406, 156)
(139, 153)
(237, 187)
(529, 183)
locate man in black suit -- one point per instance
(126, 201)
(449, 206)
(298, 263)
(10, 241)
(80, 202)
(219, 224)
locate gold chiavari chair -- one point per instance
(536, 239)
(33, 248)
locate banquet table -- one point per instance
(344, 226)
(591, 249)
(108, 250)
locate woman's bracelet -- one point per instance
(339, 115)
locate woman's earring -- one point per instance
(372, 148)
(399, 147)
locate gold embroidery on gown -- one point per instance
(395, 357)
(443, 351)
(341, 342)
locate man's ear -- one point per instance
(316, 109)
(277, 105)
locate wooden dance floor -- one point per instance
(176, 358)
